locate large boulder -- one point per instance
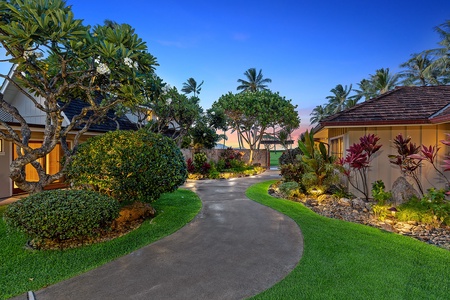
(132, 213)
(402, 191)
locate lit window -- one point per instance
(149, 115)
(337, 147)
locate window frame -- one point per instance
(342, 148)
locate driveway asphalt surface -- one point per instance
(233, 249)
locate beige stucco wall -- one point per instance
(382, 169)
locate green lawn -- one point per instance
(274, 156)
(23, 270)
(342, 260)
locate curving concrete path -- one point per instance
(233, 249)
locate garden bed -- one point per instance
(227, 175)
(359, 211)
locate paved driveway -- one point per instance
(233, 249)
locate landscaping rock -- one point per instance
(133, 212)
(358, 204)
(358, 211)
(402, 191)
(345, 202)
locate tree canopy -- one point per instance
(250, 114)
(58, 59)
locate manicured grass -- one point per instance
(342, 260)
(23, 270)
(274, 156)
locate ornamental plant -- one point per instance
(379, 194)
(318, 166)
(232, 159)
(128, 165)
(432, 209)
(190, 166)
(429, 155)
(356, 163)
(407, 159)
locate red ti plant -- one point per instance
(190, 165)
(429, 154)
(356, 163)
(446, 164)
(407, 158)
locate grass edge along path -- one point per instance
(23, 270)
(343, 260)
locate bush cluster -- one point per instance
(290, 156)
(128, 165)
(231, 159)
(311, 173)
(62, 214)
(228, 165)
(431, 209)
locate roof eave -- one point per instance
(375, 123)
(440, 119)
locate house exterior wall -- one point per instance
(6, 186)
(5, 160)
(28, 110)
(382, 169)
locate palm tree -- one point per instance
(190, 86)
(383, 81)
(338, 100)
(352, 101)
(442, 62)
(420, 70)
(366, 90)
(284, 136)
(254, 82)
(319, 113)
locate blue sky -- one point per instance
(305, 47)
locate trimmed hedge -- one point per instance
(128, 165)
(62, 214)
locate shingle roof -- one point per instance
(108, 124)
(74, 108)
(403, 105)
(6, 117)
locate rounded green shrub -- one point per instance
(199, 160)
(62, 214)
(128, 165)
(292, 172)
